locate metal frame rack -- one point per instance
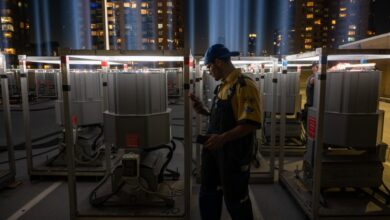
(264, 173)
(125, 56)
(7, 176)
(310, 199)
(37, 170)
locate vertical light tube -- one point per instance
(46, 28)
(37, 28)
(105, 25)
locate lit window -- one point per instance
(27, 26)
(110, 26)
(310, 4)
(160, 4)
(7, 27)
(169, 4)
(7, 34)
(160, 40)
(119, 40)
(93, 26)
(180, 30)
(159, 11)
(308, 28)
(307, 46)
(370, 32)
(252, 35)
(317, 21)
(342, 15)
(307, 41)
(333, 21)
(353, 27)
(109, 12)
(169, 11)
(350, 39)
(93, 33)
(21, 25)
(110, 4)
(9, 50)
(126, 4)
(160, 26)
(343, 9)
(144, 12)
(20, 4)
(133, 5)
(144, 4)
(6, 20)
(309, 16)
(351, 33)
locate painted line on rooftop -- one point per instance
(255, 207)
(19, 213)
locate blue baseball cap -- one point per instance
(218, 51)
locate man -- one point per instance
(310, 85)
(226, 155)
(309, 92)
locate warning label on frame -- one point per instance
(311, 127)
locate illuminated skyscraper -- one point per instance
(331, 23)
(252, 44)
(323, 23)
(139, 24)
(15, 29)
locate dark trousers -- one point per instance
(223, 176)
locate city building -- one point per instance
(15, 29)
(139, 24)
(252, 44)
(322, 23)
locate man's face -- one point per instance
(314, 69)
(215, 70)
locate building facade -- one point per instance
(15, 29)
(139, 24)
(323, 23)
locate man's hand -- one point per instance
(198, 105)
(214, 142)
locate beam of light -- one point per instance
(259, 25)
(214, 26)
(113, 39)
(46, 27)
(229, 24)
(131, 27)
(153, 46)
(191, 28)
(244, 26)
(78, 21)
(75, 25)
(37, 28)
(87, 24)
(284, 24)
(170, 37)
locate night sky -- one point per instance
(61, 30)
